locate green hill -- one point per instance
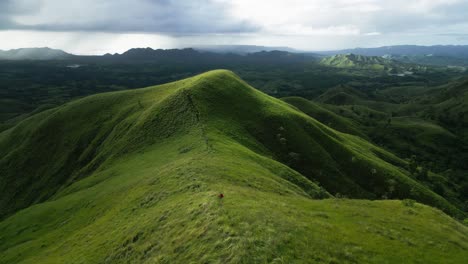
(357, 61)
(325, 116)
(425, 125)
(341, 95)
(440, 112)
(451, 105)
(134, 176)
(34, 54)
(373, 64)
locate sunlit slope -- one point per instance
(325, 116)
(404, 136)
(358, 61)
(341, 163)
(134, 177)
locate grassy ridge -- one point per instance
(423, 124)
(142, 186)
(325, 116)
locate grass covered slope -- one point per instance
(341, 163)
(425, 124)
(135, 178)
(359, 61)
(325, 116)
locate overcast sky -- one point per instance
(101, 26)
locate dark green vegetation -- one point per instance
(28, 87)
(133, 176)
(424, 125)
(459, 63)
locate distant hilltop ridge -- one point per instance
(355, 60)
(242, 49)
(376, 63)
(408, 50)
(44, 53)
(139, 53)
(422, 55)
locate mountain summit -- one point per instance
(138, 175)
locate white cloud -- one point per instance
(158, 16)
(372, 34)
(84, 42)
(301, 30)
(311, 24)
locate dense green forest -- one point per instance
(32, 86)
(278, 158)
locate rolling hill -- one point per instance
(440, 55)
(325, 116)
(135, 176)
(358, 61)
(424, 125)
(34, 54)
(372, 63)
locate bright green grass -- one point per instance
(142, 185)
(422, 133)
(325, 116)
(357, 61)
(161, 206)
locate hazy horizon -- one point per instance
(285, 48)
(99, 27)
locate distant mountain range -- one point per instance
(196, 57)
(440, 55)
(149, 54)
(376, 63)
(138, 53)
(406, 50)
(242, 49)
(34, 54)
(353, 60)
(426, 55)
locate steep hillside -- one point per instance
(325, 116)
(441, 111)
(134, 176)
(423, 124)
(451, 105)
(342, 95)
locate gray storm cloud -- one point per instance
(303, 24)
(159, 16)
(216, 16)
